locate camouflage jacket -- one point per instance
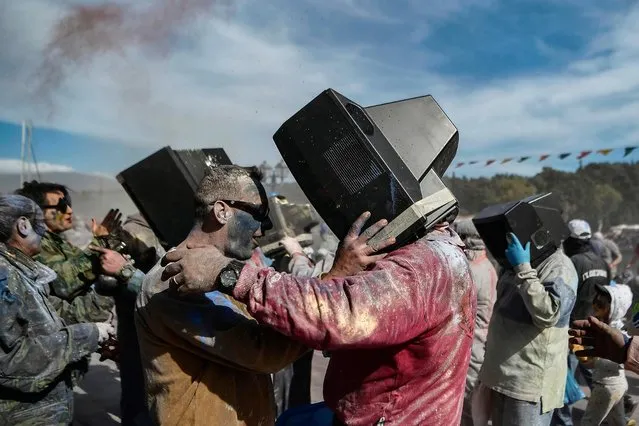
(75, 299)
(36, 347)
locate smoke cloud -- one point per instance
(89, 31)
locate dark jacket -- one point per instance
(592, 270)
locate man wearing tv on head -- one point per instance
(525, 368)
(399, 331)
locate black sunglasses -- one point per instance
(259, 212)
(62, 206)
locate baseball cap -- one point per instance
(579, 229)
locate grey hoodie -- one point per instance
(607, 372)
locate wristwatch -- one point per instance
(126, 272)
(228, 276)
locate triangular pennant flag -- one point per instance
(628, 150)
(506, 160)
(583, 154)
(522, 159)
(564, 155)
(604, 151)
(543, 157)
(459, 165)
(489, 162)
(473, 162)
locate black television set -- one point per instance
(385, 159)
(162, 186)
(536, 219)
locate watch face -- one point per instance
(126, 272)
(228, 278)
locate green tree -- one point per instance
(605, 201)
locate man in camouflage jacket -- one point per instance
(37, 349)
(77, 270)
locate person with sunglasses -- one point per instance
(77, 270)
(205, 359)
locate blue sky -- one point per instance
(517, 77)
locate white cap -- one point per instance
(579, 229)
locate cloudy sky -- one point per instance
(517, 77)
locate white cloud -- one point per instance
(235, 84)
(13, 166)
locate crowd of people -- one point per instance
(430, 333)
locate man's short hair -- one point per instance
(12, 207)
(222, 183)
(37, 191)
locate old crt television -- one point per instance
(385, 159)
(289, 220)
(536, 219)
(163, 185)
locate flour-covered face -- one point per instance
(31, 232)
(249, 221)
(243, 230)
(58, 214)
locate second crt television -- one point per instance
(386, 159)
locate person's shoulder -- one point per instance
(428, 253)
(152, 284)
(10, 282)
(52, 246)
(558, 265)
(579, 259)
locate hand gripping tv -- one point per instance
(385, 159)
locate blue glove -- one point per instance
(515, 253)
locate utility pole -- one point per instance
(27, 156)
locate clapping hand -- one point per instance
(111, 222)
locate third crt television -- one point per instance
(163, 185)
(536, 219)
(386, 159)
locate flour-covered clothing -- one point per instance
(400, 334)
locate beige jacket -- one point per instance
(206, 361)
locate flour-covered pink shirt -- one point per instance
(400, 333)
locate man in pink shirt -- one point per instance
(400, 332)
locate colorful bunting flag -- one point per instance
(583, 154)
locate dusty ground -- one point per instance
(97, 401)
